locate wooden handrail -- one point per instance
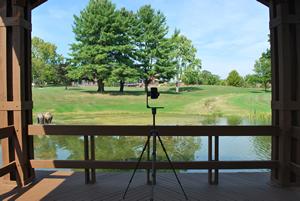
(296, 132)
(8, 168)
(6, 132)
(80, 164)
(89, 130)
(295, 168)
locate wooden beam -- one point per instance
(36, 3)
(84, 130)
(296, 132)
(6, 132)
(15, 21)
(15, 105)
(7, 169)
(295, 168)
(265, 2)
(80, 164)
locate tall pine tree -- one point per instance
(96, 32)
(153, 49)
(124, 55)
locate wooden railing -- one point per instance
(209, 131)
(10, 167)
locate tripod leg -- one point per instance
(136, 167)
(148, 159)
(172, 166)
(153, 165)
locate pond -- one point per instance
(179, 148)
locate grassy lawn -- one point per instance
(84, 106)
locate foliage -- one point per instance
(234, 79)
(191, 76)
(184, 56)
(262, 69)
(45, 63)
(153, 50)
(98, 41)
(251, 80)
(207, 78)
(124, 55)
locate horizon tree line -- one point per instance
(119, 45)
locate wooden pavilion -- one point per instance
(17, 130)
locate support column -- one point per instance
(15, 88)
(285, 45)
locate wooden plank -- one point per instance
(36, 3)
(93, 156)
(16, 105)
(291, 105)
(18, 65)
(6, 132)
(285, 66)
(7, 169)
(296, 132)
(80, 164)
(28, 86)
(62, 186)
(210, 157)
(216, 178)
(15, 21)
(91, 130)
(86, 158)
(3, 83)
(265, 2)
(295, 168)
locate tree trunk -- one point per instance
(122, 83)
(177, 86)
(100, 86)
(266, 86)
(146, 85)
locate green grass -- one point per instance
(84, 106)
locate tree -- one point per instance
(153, 50)
(262, 69)
(124, 54)
(251, 80)
(97, 34)
(234, 79)
(191, 76)
(45, 62)
(122, 73)
(62, 73)
(185, 57)
(207, 78)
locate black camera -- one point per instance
(154, 94)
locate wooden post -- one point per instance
(89, 154)
(15, 89)
(285, 45)
(3, 84)
(213, 175)
(92, 147)
(86, 157)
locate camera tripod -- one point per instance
(154, 134)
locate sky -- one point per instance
(228, 34)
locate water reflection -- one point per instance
(114, 148)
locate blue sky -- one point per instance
(228, 34)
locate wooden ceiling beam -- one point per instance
(265, 2)
(36, 3)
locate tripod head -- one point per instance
(154, 94)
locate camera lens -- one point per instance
(154, 93)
